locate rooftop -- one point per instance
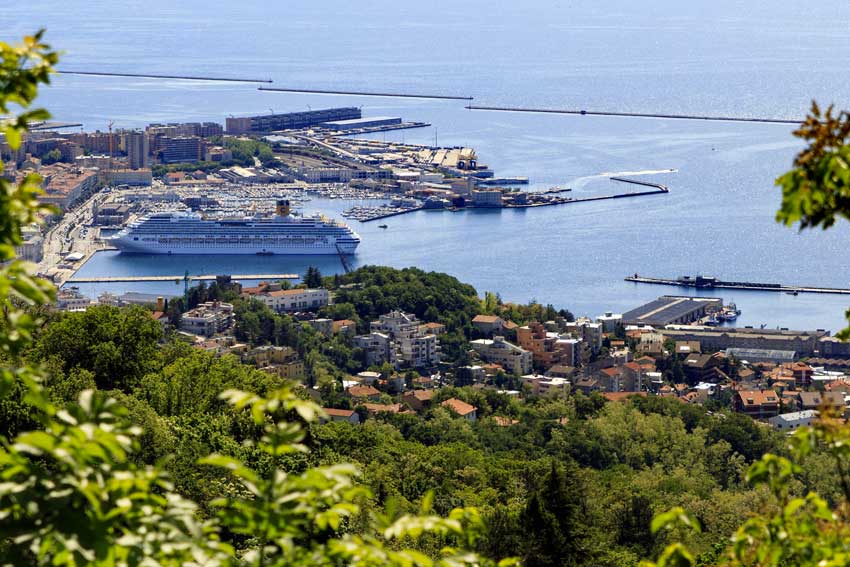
(459, 407)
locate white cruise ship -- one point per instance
(190, 233)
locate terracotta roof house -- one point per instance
(418, 399)
(463, 409)
(349, 416)
(621, 396)
(757, 403)
(814, 400)
(375, 409)
(363, 393)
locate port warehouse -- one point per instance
(803, 343)
(291, 120)
(671, 310)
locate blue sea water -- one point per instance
(759, 58)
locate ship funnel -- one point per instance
(282, 208)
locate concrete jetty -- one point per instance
(178, 278)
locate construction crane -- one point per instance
(109, 174)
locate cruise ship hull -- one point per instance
(136, 247)
(183, 233)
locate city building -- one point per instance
(136, 177)
(793, 420)
(546, 385)
(418, 399)
(138, 149)
(362, 393)
(343, 415)
(514, 359)
(281, 300)
(468, 375)
(670, 310)
(803, 343)
(487, 198)
(64, 184)
(758, 404)
(322, 325)
(754, 355)
(71, 300)
(461, 408)
(208, 318)
(488, 325)
(590, 332)
(290, 120)
(182, 149)
(815, 400)
(543, 345)
(415, 348)
(111, 214)
(32, 247)
(378, 348)
(610, 320)
(218, 154)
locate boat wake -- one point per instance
(644, 172)
(579, 182)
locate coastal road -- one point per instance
(67, 236)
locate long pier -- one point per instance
(147, 76)
(365, 93)
(178, 278)
(583, 112)
(749, 286)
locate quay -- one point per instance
(178, 278)
(701, 282)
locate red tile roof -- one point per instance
(459, 407)
(363, 391)
(621, 396)
(333, 412)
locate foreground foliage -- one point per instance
(71, 494)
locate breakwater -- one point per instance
(366, 93)
(148, 76)
(634, 114)
(711, 283)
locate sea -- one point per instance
(759, 58)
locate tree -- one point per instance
(817, 190)
(51, 157)
(554, 520)
(118, 345)
(313, 277)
